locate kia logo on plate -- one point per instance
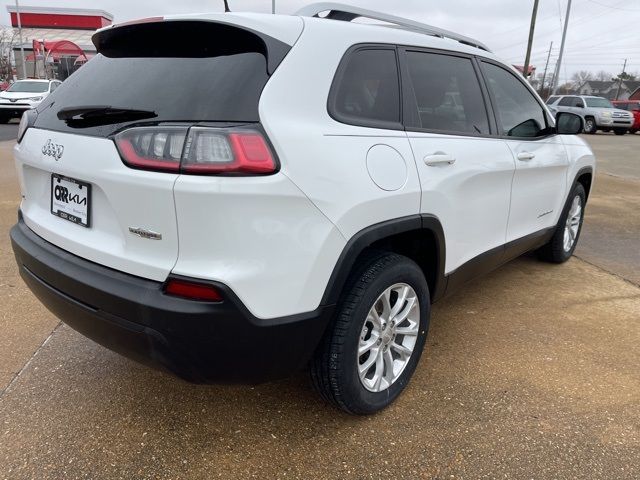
(54, 150)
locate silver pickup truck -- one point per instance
(598, 113)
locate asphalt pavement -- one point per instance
(530, 372)
(9, 131)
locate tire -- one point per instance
(4, 119)
(620, 131)
(633, 131)
(557, 251)
(335, 368)
(590, 126)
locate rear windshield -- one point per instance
(179, 71)
(29, 87)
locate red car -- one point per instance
(630, 106)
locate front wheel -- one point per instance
(590, 126)
(373, 347)
(565, 238)
(620, 131)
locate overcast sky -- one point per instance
(602, 33)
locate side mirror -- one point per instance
(568, 123)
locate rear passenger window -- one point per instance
(519, 113)
(566, 102)
(367, 89)
(447, 93)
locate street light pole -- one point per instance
(532, 29)
(564, 38)
(546, 66)
(24, 63)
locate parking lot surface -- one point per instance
(530, 372)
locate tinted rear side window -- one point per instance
(366, 90)
(447, 93)
(566, 102)
(550, 100)
(212, 73)
(519, 113)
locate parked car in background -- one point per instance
(598, 113)
(632, 106)
(24, 95)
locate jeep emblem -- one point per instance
(53, 150)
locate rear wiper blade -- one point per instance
(102, 114)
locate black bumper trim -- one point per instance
(201, 342)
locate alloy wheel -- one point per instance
(388, 337)
(572, 225)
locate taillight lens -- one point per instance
(192, 290)
(152, 148)
(196, 150)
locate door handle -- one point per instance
(526, 156)
(439, 158)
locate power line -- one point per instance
(615, 7)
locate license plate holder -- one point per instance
(71, 200)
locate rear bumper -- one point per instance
(200, 342)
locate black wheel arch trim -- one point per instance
(580, 173)
(368, 236)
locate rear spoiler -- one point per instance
(186, 38)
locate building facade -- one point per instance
(55, 41)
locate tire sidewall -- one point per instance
(593, 128)
(577, 190)
(363, 401)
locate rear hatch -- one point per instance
(78, 193)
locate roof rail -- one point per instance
(347, 13)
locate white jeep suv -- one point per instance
(268, 193)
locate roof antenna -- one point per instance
(226, 7)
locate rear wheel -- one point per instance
(590, 125)
(372, 349)
(620, 131)
(565, 238)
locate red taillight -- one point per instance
(192, 290)
(196, 150)
(152, 148)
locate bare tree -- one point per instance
(8, 39)
(580, 78)
(603, 76)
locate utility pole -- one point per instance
(273, 6)
(24, 63)
(624, 67)
(532, 29)
(546, 66)
(564, 38)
